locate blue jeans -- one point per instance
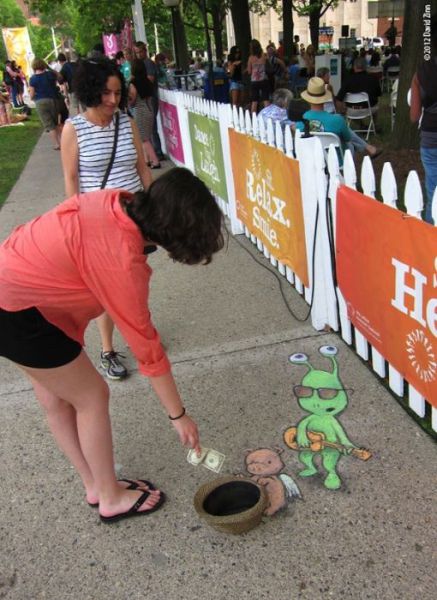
(356, 143)
(429, 161)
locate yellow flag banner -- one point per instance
(269, 201)
(18, 47)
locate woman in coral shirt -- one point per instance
(65, 268)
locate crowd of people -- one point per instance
(251, 84)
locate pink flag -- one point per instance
(111, 43)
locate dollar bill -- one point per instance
(214, 460)
(196, 460)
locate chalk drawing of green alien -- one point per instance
(322, 394)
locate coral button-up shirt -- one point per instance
(84, 257)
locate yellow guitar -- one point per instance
(318, 442)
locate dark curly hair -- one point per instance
(89, 81)
(179, 213)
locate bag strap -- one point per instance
(114, 149)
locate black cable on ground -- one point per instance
(280, 278)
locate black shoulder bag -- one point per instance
(114, 149)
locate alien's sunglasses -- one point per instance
(305, 391)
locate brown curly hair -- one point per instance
(179, 213)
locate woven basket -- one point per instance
(231, 504)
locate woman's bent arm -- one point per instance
(166, 390)
(142, 168)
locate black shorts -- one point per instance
(259, 90)
(28, 339)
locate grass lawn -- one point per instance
(16, 145)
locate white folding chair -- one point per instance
(391, 76)
(327, 139)
(360, 112)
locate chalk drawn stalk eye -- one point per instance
(328, 350)
(298, 358)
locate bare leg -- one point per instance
(59, 129)
(91, 452)
(61, 418)
(54, 135)
(106, 328)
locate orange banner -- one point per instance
(387, 272)
(269, 202)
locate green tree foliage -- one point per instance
(84, 21)
(10, 14)
(81, 20)
(41, 41)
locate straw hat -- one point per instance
(316, 92)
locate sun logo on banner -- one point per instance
(421, 355)
(256, 164)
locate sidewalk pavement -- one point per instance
(229, 336)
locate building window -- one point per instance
(353, 32)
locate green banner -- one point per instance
(208, 153)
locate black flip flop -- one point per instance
(132, 486)
(133, 511)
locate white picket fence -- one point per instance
(315, 187)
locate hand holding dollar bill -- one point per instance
(209, 458)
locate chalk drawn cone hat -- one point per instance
(316, 92)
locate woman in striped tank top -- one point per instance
(86, 149)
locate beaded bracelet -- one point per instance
(178, 417)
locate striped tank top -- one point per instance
(95, 149)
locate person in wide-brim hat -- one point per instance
(324, 122)
(316, 92)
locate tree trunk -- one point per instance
(241, 21)
(217, 24)
(314, 20)
(288, 27)
(181, 40)
(405, 133)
